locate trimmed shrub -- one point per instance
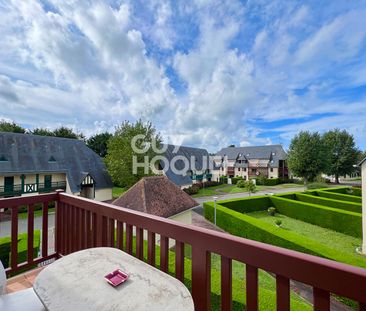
(356, 191)
(339, 196)
(271, 211)
(342, 189)
(271, 181)
(223, 179)
(347, 206)
(248, 205)
(235, 180)
(5, 248)
(327, 217)
(251, 228)
(241, 183)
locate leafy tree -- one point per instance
(98, 143)
(42, 132)
(307, 155)
(231, 146)
(342, 153)
(67, 132)
(250, 187)
(121, 156)
(6, 126)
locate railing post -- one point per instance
(201, 278)
(58, 223)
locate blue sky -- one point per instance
(206, 73)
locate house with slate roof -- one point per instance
(185, 165)
(252, 162)
(37, 164)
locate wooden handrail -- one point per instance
(315, 271)
(81, 223)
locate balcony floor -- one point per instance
(22, 281)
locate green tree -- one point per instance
(342, 153)
(6, 126)
(307, 155)
(121, 156)
(98, 143)
(250, 187)
(42, 132)
(67, 132)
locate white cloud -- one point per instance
(92, 64)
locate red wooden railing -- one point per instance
(82, 223)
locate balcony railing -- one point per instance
(81, 223)
(18, 189)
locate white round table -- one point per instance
(76, 282)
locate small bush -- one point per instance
(278, 223)
(271, 211)
(236, 179)
(223, 179)
(240, 184)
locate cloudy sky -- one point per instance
(206, 73)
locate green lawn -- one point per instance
(210, 191)
(37, 213)
(330, 238)
(117, 192)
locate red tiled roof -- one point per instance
(156, 195)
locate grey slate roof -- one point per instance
(27, 153)
(362, 162)
(186, 152)
(255, 152)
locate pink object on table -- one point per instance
(116, 277)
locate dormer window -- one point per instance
(273, 153)
(51, 159)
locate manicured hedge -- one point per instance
(347, 206)
(355, 191)
(339, 196)
(249, 227)
(5, 247)
(248, 205)
(346, 190)
(327, 217)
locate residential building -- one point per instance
(185, 166)
(252, 162)
(32, 164)
(157, 195)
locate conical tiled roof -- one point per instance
(156, 195)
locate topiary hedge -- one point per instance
(248, 227)
(248, 205)
(327, 217)
(339, 196)
(347, 206)
(5, 248)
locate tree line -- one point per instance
(310, 153)
(332, 153)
